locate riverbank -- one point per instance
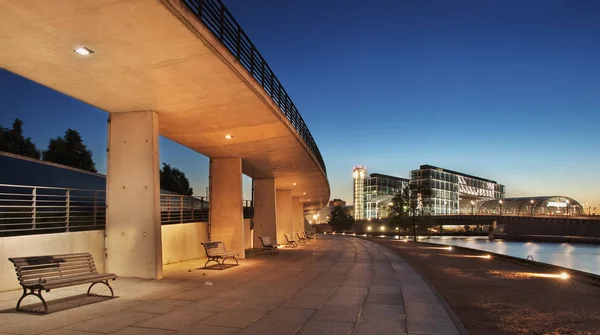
(497, 296)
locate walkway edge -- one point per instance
(459, 325)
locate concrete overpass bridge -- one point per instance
(183, 69)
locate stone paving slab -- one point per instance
(333, 285)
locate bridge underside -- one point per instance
(156, 56)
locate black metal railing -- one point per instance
(221, 23)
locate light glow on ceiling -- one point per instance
(84, 51)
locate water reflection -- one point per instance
(582, 257)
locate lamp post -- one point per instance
(472, 205)
(567, 201)
(500, 201)
(445, 207)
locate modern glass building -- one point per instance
(542, 205)
(445, 191)
(379, 191)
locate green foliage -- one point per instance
(340, 220)
(171, 179)
(12, 140)
(69, 150)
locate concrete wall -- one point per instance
(181, 242)
(47, 244)
(247, 235)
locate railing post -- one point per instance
(68, 209)
(252, 60)
(169, 208)
(181, 209)
(34, 207)
(239, 46)
(222, 22)
(95, 211)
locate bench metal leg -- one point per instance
(105, 282)
(32, 292)
(211, 259)
(223, 261)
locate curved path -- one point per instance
(333, 285)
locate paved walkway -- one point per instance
(334, 285)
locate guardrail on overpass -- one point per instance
(214, 15)
(28, 210)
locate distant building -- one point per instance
(372, 194)
(380, 189)
(450, 192)
(359, 173)
(324, 214)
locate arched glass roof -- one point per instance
(540, 205)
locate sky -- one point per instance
(507, 90)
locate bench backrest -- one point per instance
(53, 266)
(286, 238)
(266, 241)
(214, 248)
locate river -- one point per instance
(582, 257)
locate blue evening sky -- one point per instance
(508, 90)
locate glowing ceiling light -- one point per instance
(228, 136)
(294, 184)
(84, 51)
(564, 275)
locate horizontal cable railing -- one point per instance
(28, 210)
(221, 23)
(175, 208)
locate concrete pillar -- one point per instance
(133, 232)
(226, 211)
(284, 215)
(265, 211)
(298, 216)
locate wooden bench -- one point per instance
(290, 243)
(37, 273)
(268, 246)
(217, 250)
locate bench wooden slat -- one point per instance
(26, 266)
(50, 282)
(62, 273)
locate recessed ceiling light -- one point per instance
(84, 51)
(228, 136)
(308, 199)
(304, 193)
(294, 184)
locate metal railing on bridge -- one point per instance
(221, 23)
(28, 210)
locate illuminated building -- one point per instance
(449, 192)
(359, 173)
(379, 191)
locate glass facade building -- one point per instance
(445, 191)
(379, 189)
(545, 205)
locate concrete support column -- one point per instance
(265, 210)
(133, 231)
(297, 216)
(284, 215)
(226, 210)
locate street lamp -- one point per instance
(445, 207)
(472, 204)
(567, 201)
(500, 201)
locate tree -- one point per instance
(171, 179)
(69, 150)
(340, 220)
(12, 140)
(409, 208)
